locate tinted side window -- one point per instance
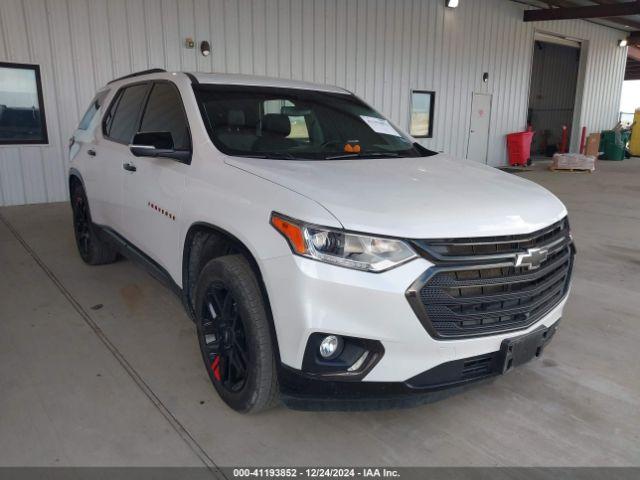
(124, 122)
(95, 105)
(164, 113)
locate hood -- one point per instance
(424, 197)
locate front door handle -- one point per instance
(91, 152)
(129, 167)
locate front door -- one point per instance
(479, 127)
(154, 187)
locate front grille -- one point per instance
(473, 292)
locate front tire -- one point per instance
(91, 247)
(234, 335)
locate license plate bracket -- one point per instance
(519, 350)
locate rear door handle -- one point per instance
(91, 152)
(129, 167)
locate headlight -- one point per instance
(351, 250)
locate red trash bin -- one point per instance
(519, 147)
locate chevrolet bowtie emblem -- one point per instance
(532, 258)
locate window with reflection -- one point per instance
(421, 121)
(22, 119)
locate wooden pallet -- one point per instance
(577, 170)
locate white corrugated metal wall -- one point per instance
(380, 49)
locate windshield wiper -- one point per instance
(282, 155)
(362, 155)
(273, 155)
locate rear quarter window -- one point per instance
(94, 107)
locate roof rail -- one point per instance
(135, 74)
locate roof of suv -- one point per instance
(254, 80)
(228, 79)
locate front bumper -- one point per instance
(303, 392)
(307, 296)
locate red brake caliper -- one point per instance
(215, 366)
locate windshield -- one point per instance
(287, 123)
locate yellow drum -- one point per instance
(634, 142)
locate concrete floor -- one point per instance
(100, 366)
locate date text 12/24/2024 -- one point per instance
(316, 472)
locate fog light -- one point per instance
(330, 347)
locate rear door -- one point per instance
(153, 192)
(82, 149)
(110, 153)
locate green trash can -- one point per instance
(613, 144)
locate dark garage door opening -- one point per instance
(554, 76)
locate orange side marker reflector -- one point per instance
(291, 231)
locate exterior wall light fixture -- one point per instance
(205, 48)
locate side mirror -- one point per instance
(157, 144)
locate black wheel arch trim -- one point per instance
(74, 172)
(245, 251)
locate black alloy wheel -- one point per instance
(235, 336)
(81, 224)
(223, 339)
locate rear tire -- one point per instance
(234, 335)
(93, 250)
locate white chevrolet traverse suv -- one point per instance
(327, 259)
